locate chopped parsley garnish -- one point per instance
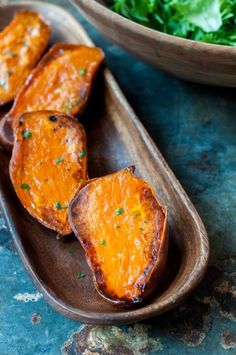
(12, 54)
(76, 102)
(59, 160)
(103, 242)
(119, 211)
(117, 226)
(67, 106)
(52, 118)
(80, 275)
(146, 222)
(72, 250)
(82, 153)
(25, 186)
(82, 71)
(136, 215)
(59, 206)
(141, 229)
(3, 82)
(26, 134)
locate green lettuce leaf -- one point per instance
(206, 14)
(212, 21)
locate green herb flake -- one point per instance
(76, 102)
(141, 229)
(58, 206)
(146, 222)
(82, 153)
(8, 73)
(26, 134)
(12, 54)
(67, 107)
(40, 163)
(136, 215)
(119, 211)
(103, 243)
(72, 250)
(59, 160)
(80, 275)
(3, 82)
(25, 186)
(52, 118)
(117, 226)
(82, 71)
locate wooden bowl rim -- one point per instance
(121, 21)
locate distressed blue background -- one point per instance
(194, 126)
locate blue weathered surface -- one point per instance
(195, 128)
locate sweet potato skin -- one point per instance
(123, 230)
(61, 82)
(22, 43)
(48, 165)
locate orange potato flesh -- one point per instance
(122, 228)
(22, 43)
(61, 82)
(48, 165)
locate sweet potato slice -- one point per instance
(123, 229)
(61, 82)
(22, 43)
(48, 165)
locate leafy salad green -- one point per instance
(212, 21)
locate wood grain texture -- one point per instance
(116, 139)
(190, 60)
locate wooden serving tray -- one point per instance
(116, 139)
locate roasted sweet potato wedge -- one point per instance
(48, 165)
(123, 229)
(22, 43)
(61, 82)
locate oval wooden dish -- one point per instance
(116, 139)
(190, 60)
